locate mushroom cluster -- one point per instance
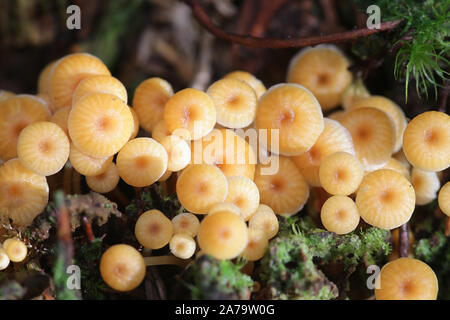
(240, 154)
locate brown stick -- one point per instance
(403, 248)
(64, 232)
(88, 229)
(275, 43)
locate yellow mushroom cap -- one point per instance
(187, 223)
(373, 134)
(135, 131)
(426, 185)
(226, 206)
(15, 114)
(295, 113)
(250, 79)
(182, 246)
(191, 112)
(226, 150)
(385, 199)
(333, 138)
(100, 84)
(104, 182)
(43, 147)
(407, 279)
(390, 108)
(244, 193)
(61, 117)
(341, 173)
(285, 190)
(264, 219)
(153, 229)
(223, 235)
(200, 186)
(149, 100)
(87, 165)
(178, 151)
(323, 70)
(44, 78)
(355, 91)
(339, 215)
(4, 259)
(122, 267)
(160, 131)
(16, 250)
(426, 141)
(256, 246)
(141, 162)
(235, 102)
(396, 165)
(100, 124)
(444, 199)
(68, 72)
(23, 193)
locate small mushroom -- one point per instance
(244, 193)
(264, 219)
(182, 246)
(100, 84)
(339, 214)
(250, 79)
(104, 182)
(444, 199)
(187, 223)
(153, 229)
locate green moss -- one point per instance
(211, 279)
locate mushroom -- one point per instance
(406, 279)
(100, 84)
(444, 199)
(149, 100)
(100, 124)
(248, 78)
(264, 219)
(104, 182)
(235, 102)
(200, 186)
(178, 151)
(43, 147)
(187, 223)
(141, 162)
(122, 267)
(426, 185)
(341, 173)
(373, 134)
(160, 130)
(136, 124)
(190, 113)
(333, 138)
(223, 235)
(256, 246)
(385, 199)
(23, 193)
(153, 229)
(68, 72)
(285, 190)
(87, 165)
(294, 113)
(339, 215)
(396, 165)
(426, 141)
(182, 246)
(244, 193)
(4, 259)
(15, 249)
(15, 114)
(323, 70)
(391, 109)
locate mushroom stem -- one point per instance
(67, 180)
(403, 248)
(164, 260)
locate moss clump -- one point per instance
(288, 272)
(212, 279)
(290, 268)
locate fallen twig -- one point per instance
(276, 43)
